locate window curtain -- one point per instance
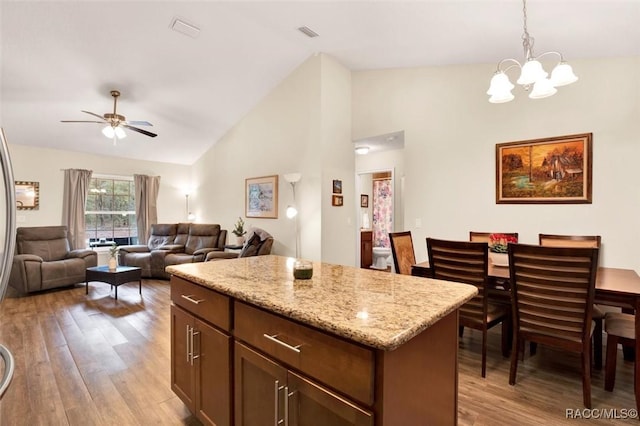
(147, 188)
(76, 189)
(382, 212)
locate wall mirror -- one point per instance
(27, 195)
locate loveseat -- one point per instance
(257, 243)
(43, 260)
(173, 244)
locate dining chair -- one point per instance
(620, 328)
(552, 291)
(402, 250)
(467, 262)
(554, 240)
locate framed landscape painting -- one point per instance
(545, 171)
(261, 197)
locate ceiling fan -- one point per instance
(115, 122)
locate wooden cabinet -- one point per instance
(366, 249)
(267, 393)
(201, 363)
(233, 363)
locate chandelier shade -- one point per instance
(532, 74)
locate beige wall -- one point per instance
(449, 157)
(45, 166)
(304, 126)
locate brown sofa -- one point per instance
(257, 243)
(173, 244)
(44, 260)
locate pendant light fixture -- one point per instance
(531, 72)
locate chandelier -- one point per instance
(531, 72)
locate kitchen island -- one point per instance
(251, 345)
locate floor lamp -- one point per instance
(292, 210)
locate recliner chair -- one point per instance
(258, 243)
(44, 260)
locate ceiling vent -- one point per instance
(184, 27)
(308, 32)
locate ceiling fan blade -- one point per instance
(81, 121)
(138, 123)
(135, 129)
(94, 114)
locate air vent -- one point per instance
(179, 25)
(308, 32)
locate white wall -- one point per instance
(303, 125)
(46, 167)
(280, 135)
(450, 136)
(338, 222)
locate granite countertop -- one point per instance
(374, 308)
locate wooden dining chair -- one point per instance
(402, 250)
(467, 262)
(620, 328)
(554, 240)
(552, 291)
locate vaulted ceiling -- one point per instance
(61, 57)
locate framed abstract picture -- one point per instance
(556, 170)
(261, 197)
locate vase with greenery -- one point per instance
(239, 231)
(113, 256)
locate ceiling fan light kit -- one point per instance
(531, 72)
(115, 123)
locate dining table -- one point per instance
(614, 287)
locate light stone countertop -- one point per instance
(377, 309)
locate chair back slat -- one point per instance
(484, 237)
(552, 240)
(402, 250)
(552, 291)
(464, 262)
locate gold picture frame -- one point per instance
(261, 197)
(556, 170)
(27, 195)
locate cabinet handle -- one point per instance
(286, 406)
(188, 344)
(193, 350)
(273, 338)
(276, 391)
(190, 298)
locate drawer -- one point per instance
(344, 366)
(202, 302)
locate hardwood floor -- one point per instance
(92, 360)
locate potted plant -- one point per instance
(239, 231)
(113, 257)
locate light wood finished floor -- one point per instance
(92, 360)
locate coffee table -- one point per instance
(115, 277)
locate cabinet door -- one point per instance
(312, 405)
(213, 375)
(182, 372)
(259, 389)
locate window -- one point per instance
(110, 211)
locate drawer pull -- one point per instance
(191, 299)
(273, 338)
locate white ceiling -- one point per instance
(62, 57)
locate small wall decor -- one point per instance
(364, 200)
(337, 187)
(261, 197)
(545, 171)
(27, 195)
(336, 200)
